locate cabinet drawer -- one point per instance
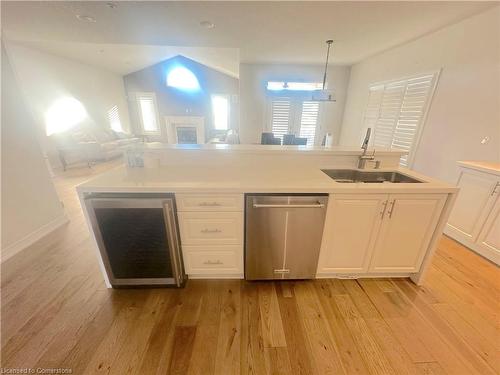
(208, 262)
(209, 202)
(205, 228)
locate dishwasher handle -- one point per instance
(315, 205)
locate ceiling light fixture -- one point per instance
(85, 18)
(207, 24)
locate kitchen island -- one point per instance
(371, 229)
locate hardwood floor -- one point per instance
(56, 312)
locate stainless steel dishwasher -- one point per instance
(283, 235)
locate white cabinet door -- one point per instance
(489, 238)
(472, 204)
(351, 226)
(405, 232)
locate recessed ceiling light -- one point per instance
(207, 24)
(85, 18)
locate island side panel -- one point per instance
(81, 198)
(418, 278)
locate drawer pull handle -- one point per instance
(384, 205)
(211, 262)
(283, 270)
(317, 205)
(211, 231)
(391, 208)
(493, 192)
(209, 204)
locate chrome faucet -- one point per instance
(363, 158)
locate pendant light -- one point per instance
(325, 95)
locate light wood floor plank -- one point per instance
(296, 342)
(227, 359)
(272, 328)
(352, 361)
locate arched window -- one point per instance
(183, 79)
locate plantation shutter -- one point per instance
(114, 119)
(412, 114)
(309, 121)
(280, 117)
(396, 111)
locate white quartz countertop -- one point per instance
(485, 166)
(246, 180)
(264, 149)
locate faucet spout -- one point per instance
(363, 158)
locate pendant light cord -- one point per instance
(329, 42)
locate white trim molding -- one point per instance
(46, 229)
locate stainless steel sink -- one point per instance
(354, 175)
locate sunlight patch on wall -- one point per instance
(63, 115)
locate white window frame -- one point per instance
(423, 119)
(151, 95)
(295, 115)
(228, 97)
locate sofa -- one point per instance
(91, 145)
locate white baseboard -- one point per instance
(490, 255)
(30, 239)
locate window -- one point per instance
(114, 119)
(220, 112)
(294, 86)
(309, 121)
(147, 112)
(294, 116)
(281, 117)
(396, 111)
(183, 79)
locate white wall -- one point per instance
(29, 200)
(253, 99)
(466, 104)
(44, 78)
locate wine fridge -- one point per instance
(138, 238)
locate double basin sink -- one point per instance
(369, 177)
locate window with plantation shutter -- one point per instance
(309, 121)
(294, 116)
(280, 117)
(114, 119)
(148, 113)
(396, 111)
